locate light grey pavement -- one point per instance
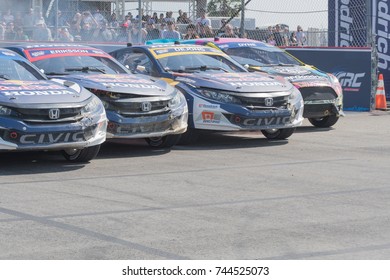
(323, 194)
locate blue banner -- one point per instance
(351, 66)
(381, 31)
(347, 23)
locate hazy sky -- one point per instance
(308, 13)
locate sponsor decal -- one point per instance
(381, 27)
(254, 84)
(209, 106)
(51, 138)
(291, 70)
(350, 81)
(271, 121)
(311, 84)
(36, 92)
(50, 52)
(185, 80)
(242, 78)
(23, 85)
(8, 53)
(210, 117)
(125, 85)
(247, 44)
(303, 78)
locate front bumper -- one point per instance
(173, 122)
(230, 117)
(18, 135)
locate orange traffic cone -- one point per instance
(380, 97)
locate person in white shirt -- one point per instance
(300, 35)
(203, 21)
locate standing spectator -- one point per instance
(64, 35)
(20, 36)
(171, 33)
(229, 32)
(75, 24)
(271, 40)
(87, 32)
(203, 21)
(28, 19)
(98, 17)
(161, 18)
(103, 34)
(123, 34)
(169, 17)
(136, 35)
(184, 19)
(301, 37)
(113, 21)
(153, 32)
(41, 32)
(293, 39)
(178, 20)
(154, 18)
(9, 33)
(205, 31)
(8, 17)
(191, 32)
(18, 21)
(278, 36)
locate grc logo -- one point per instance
(350, 81)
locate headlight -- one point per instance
(219, 96)
(176, 100)
(295, 96)
(4, 111)
(92, 106)
(336, 84)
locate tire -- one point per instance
(81, 155)
(278, 134)
(163, 142)
(189, 137)
(327, 121)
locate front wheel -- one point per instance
(81, 155)
(327, 121)
(163, 142)
(278, 134)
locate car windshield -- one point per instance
(18, 70)
(254, 56)
(66, 65)
(199, 62)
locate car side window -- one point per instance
(137, 61)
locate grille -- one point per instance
(318, 93)
(259, 102)
(42, 115)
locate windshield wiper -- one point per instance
(55, 73)
(205, 68)
(86, 69)
(4, 77)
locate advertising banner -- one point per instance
(351, 66)
(381, 31)
(347, 23)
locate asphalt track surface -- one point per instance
(323, 194)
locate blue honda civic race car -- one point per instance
(137, 106)
(221, 94)
(321, 92)
(39, 114)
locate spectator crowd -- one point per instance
(94, 26)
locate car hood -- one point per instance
(41, 93)
(302, 76)
(122, 83)
(242, 82)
